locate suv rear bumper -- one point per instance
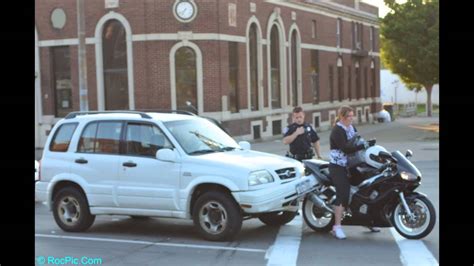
(276, 198)
(41, 192)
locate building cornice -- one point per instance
(331, 10)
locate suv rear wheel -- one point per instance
(216, 216)
(71, 210)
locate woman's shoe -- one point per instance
(337, 232)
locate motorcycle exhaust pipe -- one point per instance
(319, 202)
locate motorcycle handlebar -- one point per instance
(385, 166)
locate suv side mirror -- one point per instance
(245, 145)
(409, 154)
(166, 155)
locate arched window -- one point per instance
(253, 53)
(275, 67)
(294, 70)
(114, 50)
(186, 77)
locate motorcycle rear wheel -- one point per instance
(317, 219)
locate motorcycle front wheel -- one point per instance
(422, 222)
(316, 218)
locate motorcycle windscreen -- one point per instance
(404, 164)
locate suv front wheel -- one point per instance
(71, 211)
(216, 216)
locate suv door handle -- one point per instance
(129, 164)
(81, 161)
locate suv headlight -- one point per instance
(301, 171)
(260, 177)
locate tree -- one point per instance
(410, 43)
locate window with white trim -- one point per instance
(366, 82)
(340, 80)
(313, 29)
(114, 51)
(339, 32)
(331, 83)
(275, 67)
(186, 77)
(61, 79)
(314, 75)
(374, 78)
(233, 77)
(372, 39)
(253, 54)
(294, 70)
(349, 82)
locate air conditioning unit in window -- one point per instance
(358, 51)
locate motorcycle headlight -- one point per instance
(408, 176)
(260, 177)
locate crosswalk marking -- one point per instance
(413, 252)
(151, 243)
(286, 247)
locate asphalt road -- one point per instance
(120, 240)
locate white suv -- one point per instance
(165, 165)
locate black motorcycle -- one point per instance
(379, 197)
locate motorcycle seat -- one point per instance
(320, 169)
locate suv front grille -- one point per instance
(286, 173)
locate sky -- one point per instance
(383, 10)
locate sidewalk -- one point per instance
(421, 125)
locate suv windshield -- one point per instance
(200, 136)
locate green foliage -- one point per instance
(410, 42)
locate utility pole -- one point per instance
(395, 87)
(81, 32)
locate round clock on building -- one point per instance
(185, 10)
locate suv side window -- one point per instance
(101, 137)
(87, 140)
(62, 137)
(144, 140)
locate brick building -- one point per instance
(246, 63)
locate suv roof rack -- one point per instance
(74, 114)
(182, 112)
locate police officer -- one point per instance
(301, 136)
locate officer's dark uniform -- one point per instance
(301, 148)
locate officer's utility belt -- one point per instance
(302, 156)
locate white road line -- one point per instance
(151, 243)
(413, 252)
(285, 249)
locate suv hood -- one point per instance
(249, 160)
